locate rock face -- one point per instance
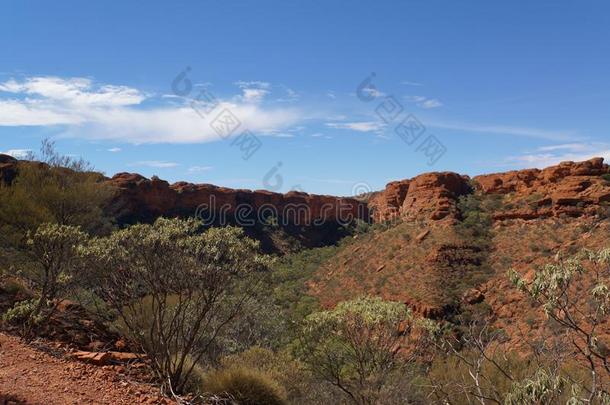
(429, 195)
(139, 198)
(8, 168)
(570, 188)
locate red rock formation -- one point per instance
(570, 188)
(140, 198)
(429, 195)
(387, 203)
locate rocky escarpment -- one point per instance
(429, 195)
(570, 188)
(138, 198)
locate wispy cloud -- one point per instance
(559, 135)
(408, 83)
(82, 108)
(372, 92)
(160, 164)
(199, 169)
(18, 153)
(431, 103)
(253, 91)
(114, 150)
(252, 83)
(553, 154)
(424, 102)
(362, 126)
(74, 91)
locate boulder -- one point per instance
(95, 358)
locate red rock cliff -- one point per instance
(570, 188)
(141, 198)
(429, 195)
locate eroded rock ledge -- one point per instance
(570, 188)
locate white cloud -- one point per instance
(199, 169)
(408, 83)
(373, 92)
(114, 150)
(104, 112)
(18, 153)
(254, 95)
(503, 130)
(424, 102)
(554, 154)
(289, 95)
(317, 135)
(77, 91)
(431, 103)
(253, 91)
(160, 164)
(252, 83)
(331, 95)
(34, 113)
(363, 126)
(572, 147)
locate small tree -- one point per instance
(175, 289)
(575, 293)
(355, 346)
(57, 189)
(54, 254)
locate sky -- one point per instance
(327, 97)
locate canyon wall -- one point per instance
(569, 188)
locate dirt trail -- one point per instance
(31, 376)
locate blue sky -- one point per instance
(490, 87)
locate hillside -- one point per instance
(445, 243)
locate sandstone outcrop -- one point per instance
(569, 188)
(428, 196)
(139, 198)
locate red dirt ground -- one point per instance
(32, 376)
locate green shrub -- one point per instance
(290, 373)
(245, 385)
(192, 286)
(606, 177)
(21, 312)
(14, 287)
